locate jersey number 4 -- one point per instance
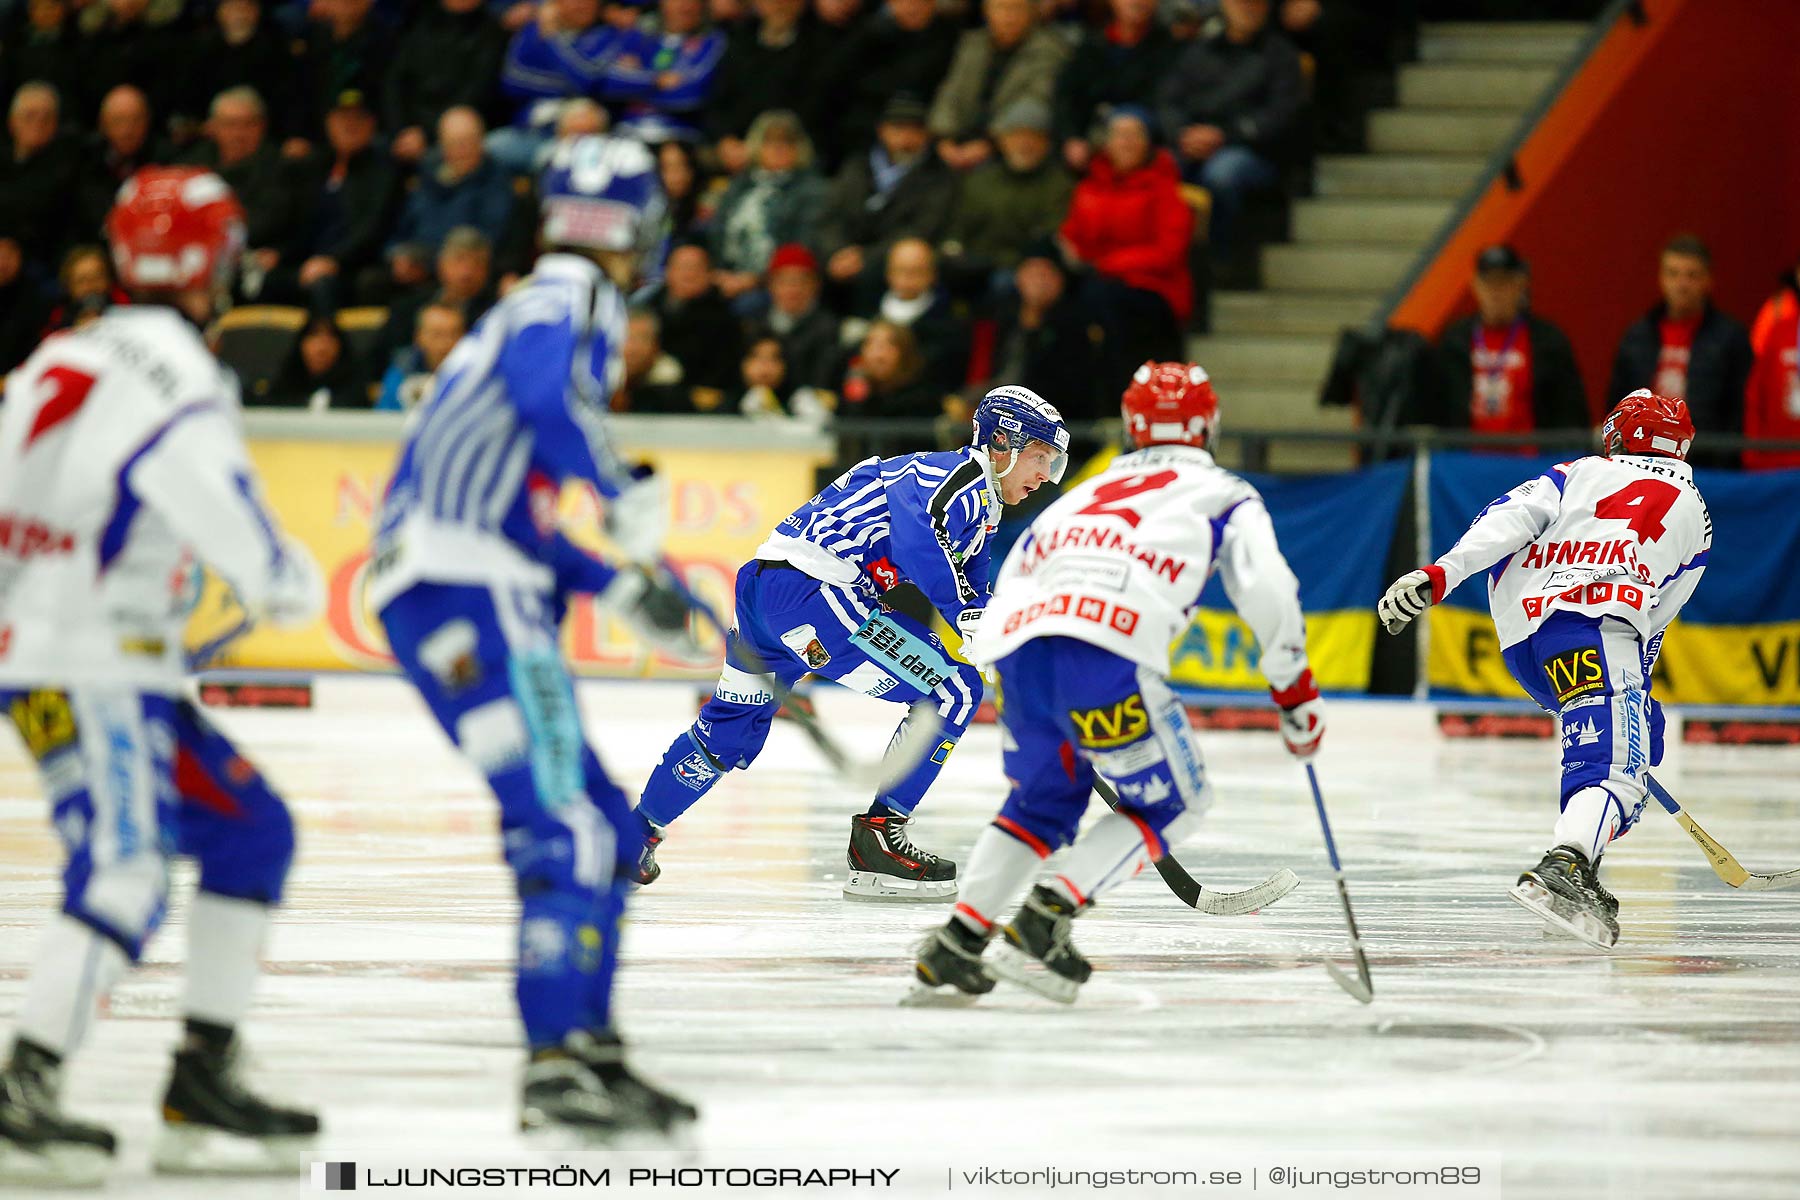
(1110, 497)
(1641, 505)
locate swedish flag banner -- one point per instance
(1738, 639)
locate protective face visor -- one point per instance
(1003, 441)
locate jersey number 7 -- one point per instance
(1641, 505)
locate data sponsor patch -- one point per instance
(1577, 672)
(1111, 726)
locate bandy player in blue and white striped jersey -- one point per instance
(810, 602)
(471, 576)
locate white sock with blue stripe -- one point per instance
(1588, 822)
(75, 967)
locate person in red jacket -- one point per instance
(1772, 397)
(1129, 226)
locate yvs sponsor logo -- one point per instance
(1112, 726)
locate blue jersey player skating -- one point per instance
(471, 576)
(810, 602)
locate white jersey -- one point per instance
(122, 468)
(1119, 562)
(1624, 537)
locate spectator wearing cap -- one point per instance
(1506, 369)
(122, 143)
(42, 47)
(1124, 63)
(1229, 105)
(458, 185)
(1130, 227)
(777, 199)
(348, 48)
(1772, 397)
(897, 189)
(771, 62)
(436, 330)
(241, 48)
(349, 198)
(448, 58)
(696, 322)
(1687, 348)
(905, 49)
(22, 305)
(1009, 202)
(808, 334)
(1044, 341)
(38, 167)
(677, 59)
(1008, 60)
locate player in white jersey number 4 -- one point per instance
(122, 470)
(1587, 564)
(1079, 631)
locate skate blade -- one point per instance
(203, 1150)
(1015, 966)
(923, 995)
(54, 1167)
(1557, 913)
(560, 1137)
(867, 885)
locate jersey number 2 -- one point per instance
(1109, 498)
(1641, 505)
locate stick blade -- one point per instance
(1236, 904)
(1754, 882)
(1361, 992)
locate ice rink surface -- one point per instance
(1669, 1068)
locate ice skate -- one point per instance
(39, 1145)
(213, 1125)
(1564, 891)
(949, 970)
(885, 865)
(583, 1090)
(1038, 954)
(648, 869)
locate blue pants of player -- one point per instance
(1594, 676)
(794, 625)
(487, 663)
(135, 778)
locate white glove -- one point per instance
(656, 608)
(968, 624)
(297, 592)
(1302, 716)
(1406, 598)
(637, 518)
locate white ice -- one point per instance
(1670, 1068)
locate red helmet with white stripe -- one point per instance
(1645, 423)
(175, 229)
(1170, 402)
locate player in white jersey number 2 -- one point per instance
(122, 470)
(1587, 564)
(1079, 631)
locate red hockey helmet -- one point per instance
(1645, 423)
(1170, 402)
(174, 229)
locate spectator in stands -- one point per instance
(898, 189)
(269, 187)
(808, 334)
(449, 58)
(37, 173)
(320, 373)
(684, 189)
(436, 331)
(904, 49)
(348, 49)
(128, 42)
(114, 153)
(914, 301)
(558, 57)
(653, 379)
(43, 48)
(241, 49)
(1043, 340)
(1125, 63)
(87, 289)
(1130, 226)
(1772, 398)
(1686, 347)
(678, 66)
(695, 322)
(763, 378)
(461, 276)
(457, 185)
(995, 67)
(350, 198)
(885, 378)
(21, 306)
(772, 62)
(839, 18)
(1229, 106)
(1007, 203)
(1506, 369)
(777, 199)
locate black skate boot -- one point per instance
(583, 1088)
(1038, 953)
(38, 1144)
(948, 970)
(885, 865)
(1564, 891)
(648, 869)
(213, 1125)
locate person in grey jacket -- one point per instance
(777, 199)
(1012, 59)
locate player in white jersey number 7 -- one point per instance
(1587, 564)
(1079, 631)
